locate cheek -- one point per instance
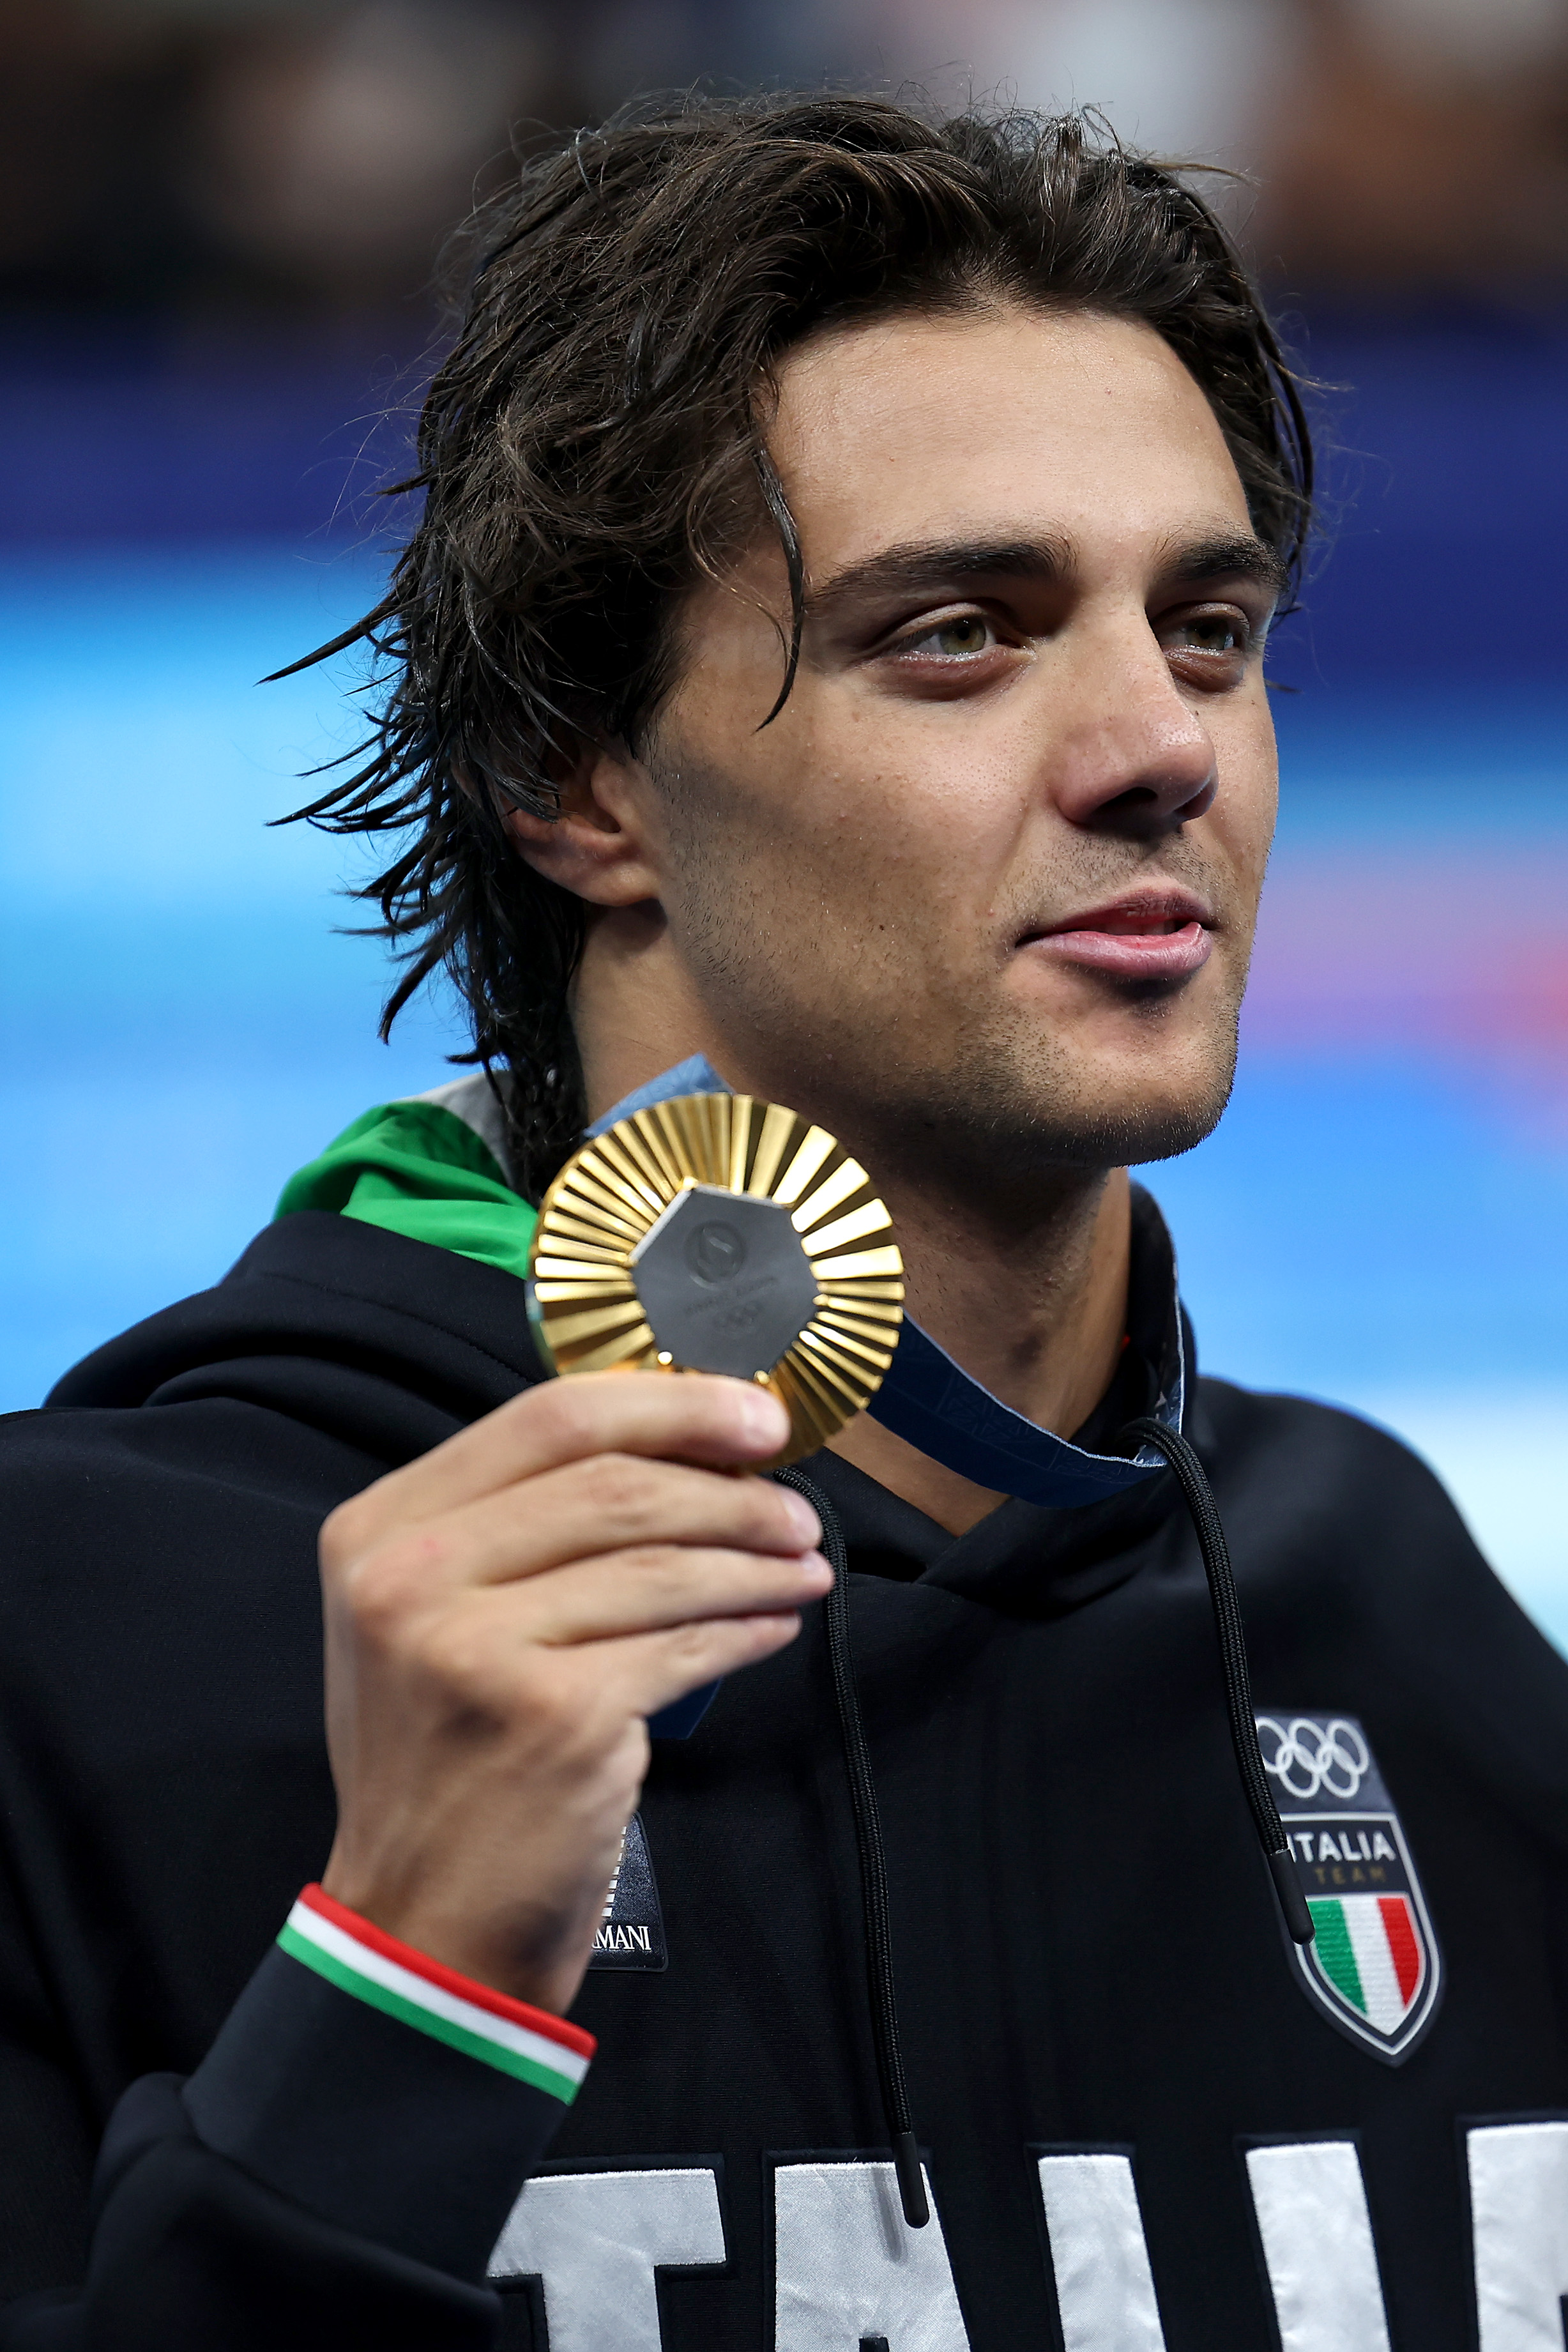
(932, 809)
(1242, 818)
(883, 833)
(910, 872)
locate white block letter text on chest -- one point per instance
(595, 2241)
(1104, 2294)
(1317, 2246)
(849, 2268)
(1519, 2212)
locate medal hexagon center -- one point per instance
(723, 1281)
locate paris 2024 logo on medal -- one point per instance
(1373, 1965)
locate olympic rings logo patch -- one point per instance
(1309, 1757)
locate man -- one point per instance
(833, 647)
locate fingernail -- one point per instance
(765, 1418)
(803, 1521)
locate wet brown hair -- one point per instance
(594, 441)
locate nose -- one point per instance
(1130, 755)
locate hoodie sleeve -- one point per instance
(338, 2168)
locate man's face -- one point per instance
(985, 888)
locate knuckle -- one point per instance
(689, 1645)
(542, 1426)
(769, 1520)
(376, 1609)
(345, 1532)
(558, 1712)
(458, 1656)
(384, 1589)
(712, 1404)
(626, 1493)
(703, 1646)
(541, 1409)
(662, 1570)
(551, 1699)
(574, 1417)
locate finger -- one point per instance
(610, 1503)
(651, 1671)
(652, 1590)
(695, 1417)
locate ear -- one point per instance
(601, 846)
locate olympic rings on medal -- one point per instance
(1311, 1755)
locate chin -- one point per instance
(1148, 1115)
(1143, 1133)
(1111, 1134)
(1150, 1097)
(1099, 1111)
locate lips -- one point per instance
(1150, 935)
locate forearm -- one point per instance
(502, 1617)
(338, 2168)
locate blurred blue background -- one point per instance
(196, 406)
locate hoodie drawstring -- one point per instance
(1199, 1497)
(1205, 1512)
(873, 1863)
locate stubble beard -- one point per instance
(1011, 1114)
(1005, 1109)
(1008, 1107)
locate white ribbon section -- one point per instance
(849, 2266)
(1104, 2289)
(1317, 2246)
(1519, 2207)
(596, 2239)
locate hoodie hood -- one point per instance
(431, 1167)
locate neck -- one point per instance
(1030, 1300)
(1036, 1313)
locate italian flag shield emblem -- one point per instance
(1374, 1966)
(1370, 1948)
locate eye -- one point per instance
(1215, 633)
(971, 633)
(957, 639)
(1227, 634)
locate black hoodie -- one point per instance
(1146, 2118)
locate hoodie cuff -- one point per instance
(392, 1977)
(383, 2090)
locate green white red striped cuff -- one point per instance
(356, 1956)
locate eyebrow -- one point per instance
(917, 567)
(1229, 555)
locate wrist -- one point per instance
(520, 1958)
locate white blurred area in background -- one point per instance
(1201, 79)
(320, 149)
(1501, 1457)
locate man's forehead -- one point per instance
(1007, 427)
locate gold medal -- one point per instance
(716, 1233)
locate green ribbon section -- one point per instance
(1335, 1952)
(418, 1169)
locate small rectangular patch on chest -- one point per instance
(631, 1931)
